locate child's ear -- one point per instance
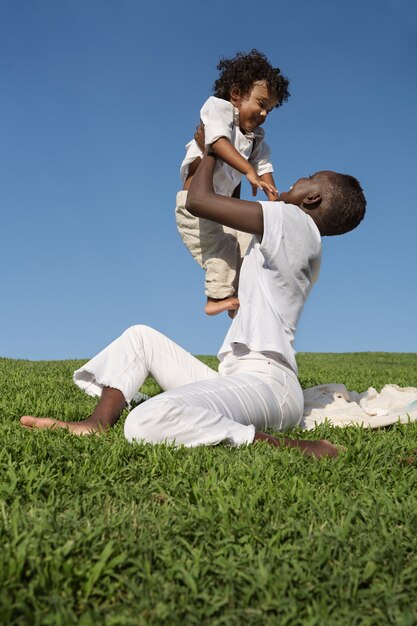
(312, 201)
(235, 95)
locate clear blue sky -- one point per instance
(97, 100)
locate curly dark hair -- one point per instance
(245, 69)
(345, 205)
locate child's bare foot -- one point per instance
(317, 448)
(214, 307)
(77, 428)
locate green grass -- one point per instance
(94, 531)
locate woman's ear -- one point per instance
(312, 201)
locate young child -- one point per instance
(247, 89)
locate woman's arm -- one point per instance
(202, 201)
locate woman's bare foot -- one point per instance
(105, 415)
(316, 448)
(77, 428)
(214, 307)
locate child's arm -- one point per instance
(202, 201)
(269, 179)
(260, 158)
(224, 150)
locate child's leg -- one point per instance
(215, 250)
(230, 304)
(215, 306)
(188, 227)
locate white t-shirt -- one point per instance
(276, 276)
(221, 119)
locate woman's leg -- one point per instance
(139, 352)
(251, 393)
(207, 412)
(232, 408)
(105, 415)
(118, 371)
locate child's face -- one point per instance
(253, 106)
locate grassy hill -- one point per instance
(95, 531)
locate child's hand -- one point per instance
(256, 183)
(272, 195)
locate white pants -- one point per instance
(199, 406)
(219, 250)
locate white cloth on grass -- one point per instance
(336, 405)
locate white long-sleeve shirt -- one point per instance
(221, 119)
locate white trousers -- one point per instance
(199, 406)
(219, 250)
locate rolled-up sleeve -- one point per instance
(273, 213)
(217, 117)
